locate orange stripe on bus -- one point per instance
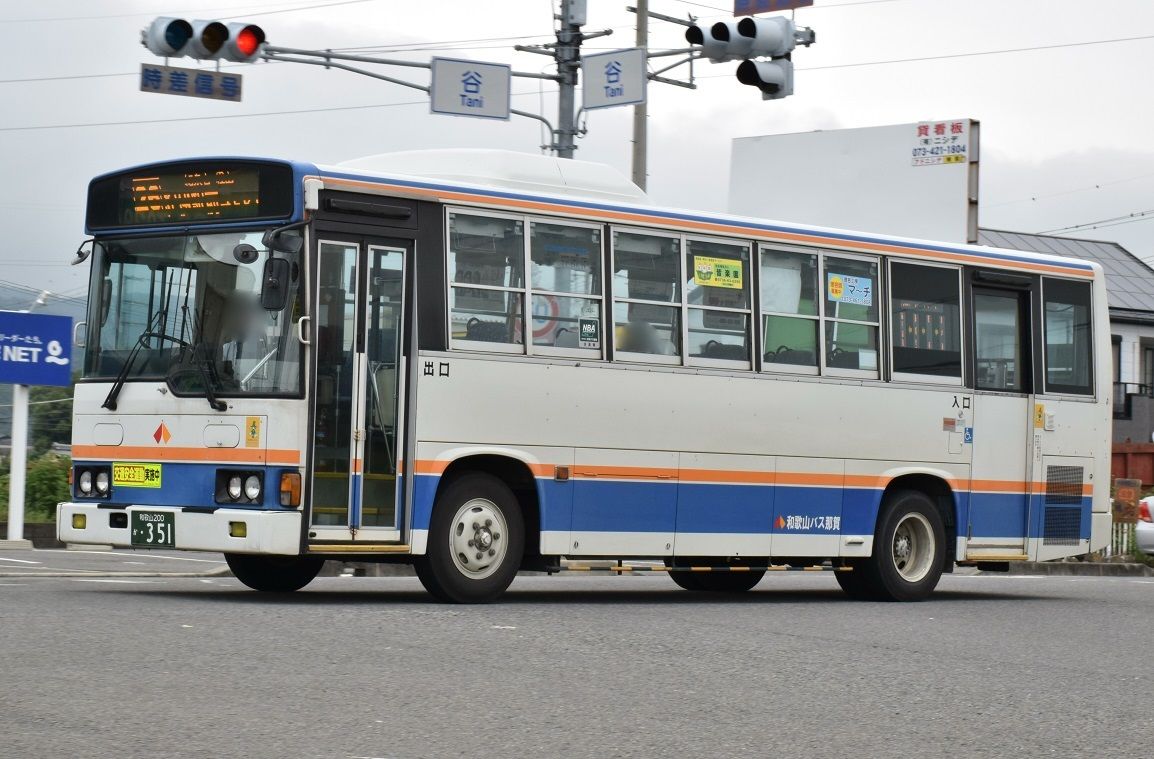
(175, 453)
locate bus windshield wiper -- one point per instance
(207, 368)
(118, 383)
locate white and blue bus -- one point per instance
(481, 362)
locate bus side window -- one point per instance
(925, 319)
(486, 278)
(1069, 351)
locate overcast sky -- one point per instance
(1066, 120)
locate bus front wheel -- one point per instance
(274, 574)
(476, 539)
(908, 555)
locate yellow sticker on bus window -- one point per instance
(252, 432)
(136, 475)
(717, 272)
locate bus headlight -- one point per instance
(234, 487)
(102, 482)
(252, 487)
(85, 482)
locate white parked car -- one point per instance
(1144, 531)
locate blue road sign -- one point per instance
(35, 349)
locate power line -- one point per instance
(398, 48)
(1113, 221)
(291, 9)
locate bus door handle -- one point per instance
(77, 331)
(301, 330)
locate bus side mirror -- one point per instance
(275, 284)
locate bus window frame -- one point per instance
(515, 348)
(533, 349)
(1043, 354)
(748, 311)
(619, 354)
(881, 292)
(767, 366)
(914, 377)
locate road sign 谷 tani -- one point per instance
(615, 78)
(470, 88)
(35, 349)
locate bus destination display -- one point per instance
(188, 196)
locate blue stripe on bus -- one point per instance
(190, 484)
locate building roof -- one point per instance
(1129, 281)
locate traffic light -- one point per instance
(747, 38)
(203, 40)
(774, 78)
(774, 37)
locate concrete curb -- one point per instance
(1080, 568)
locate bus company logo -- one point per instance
(162, 435)
(806, 523)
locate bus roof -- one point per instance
(553, 185)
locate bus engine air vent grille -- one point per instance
(1063, 509)
(1064, 485)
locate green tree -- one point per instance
(49, 418)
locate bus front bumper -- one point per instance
(224, 530)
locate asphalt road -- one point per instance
(574, 666)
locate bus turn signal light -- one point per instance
(290, 489)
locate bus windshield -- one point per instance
(187, 310)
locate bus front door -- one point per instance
(358, 375)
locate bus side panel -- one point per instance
(630, 432)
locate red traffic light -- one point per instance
(244, 42)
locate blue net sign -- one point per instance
(35, 349)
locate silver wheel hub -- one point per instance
(914, 547)
(477, 538)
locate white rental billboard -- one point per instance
(912, 180)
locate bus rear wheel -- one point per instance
(908, 555)
(274, 574)
(476, 540)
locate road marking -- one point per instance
(13, 584)
(140, 554)
(123, 582)
(20, 561)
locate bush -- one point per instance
(45, 485)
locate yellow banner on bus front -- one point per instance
(136, 475)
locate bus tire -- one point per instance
(475, 515)
(274, 574)
(909, 550)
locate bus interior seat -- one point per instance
(486, 332)
(565, 338)
(715, 349)
(786, 355)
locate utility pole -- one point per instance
(568, 56)
(641, 110)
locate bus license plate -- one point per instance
(153, 529)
